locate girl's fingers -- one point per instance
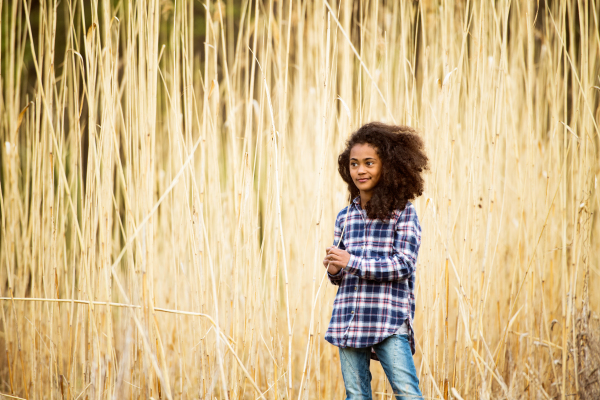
(337, 252)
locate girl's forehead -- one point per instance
(363, 150)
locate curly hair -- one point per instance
(403, 160)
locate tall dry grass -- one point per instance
(169, 184)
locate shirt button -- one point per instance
(352, 312)
(355, 288)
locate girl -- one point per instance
(378, 237)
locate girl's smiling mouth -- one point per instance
(363, 180)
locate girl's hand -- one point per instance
(335, 260)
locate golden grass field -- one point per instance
(169, 184)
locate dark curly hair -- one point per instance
(403, 160)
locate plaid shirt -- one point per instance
(377, 288)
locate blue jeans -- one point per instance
(397, 362)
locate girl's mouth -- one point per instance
(363, 180)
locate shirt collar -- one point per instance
(356, 202)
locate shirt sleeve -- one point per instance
(337, 241)
(401, 264)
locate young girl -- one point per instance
(378, 237)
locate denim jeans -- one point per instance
(397, 362)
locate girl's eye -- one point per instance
(353, 164)
(370, 163)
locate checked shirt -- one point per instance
(376, 291)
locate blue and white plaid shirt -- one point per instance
(377, 288)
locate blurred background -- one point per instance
(168, 177)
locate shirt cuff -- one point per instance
(353, 266)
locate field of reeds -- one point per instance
(169, 184)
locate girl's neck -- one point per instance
(364, 198)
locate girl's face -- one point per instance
(365, 168)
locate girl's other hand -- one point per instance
(335, 260)
(330, 268)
